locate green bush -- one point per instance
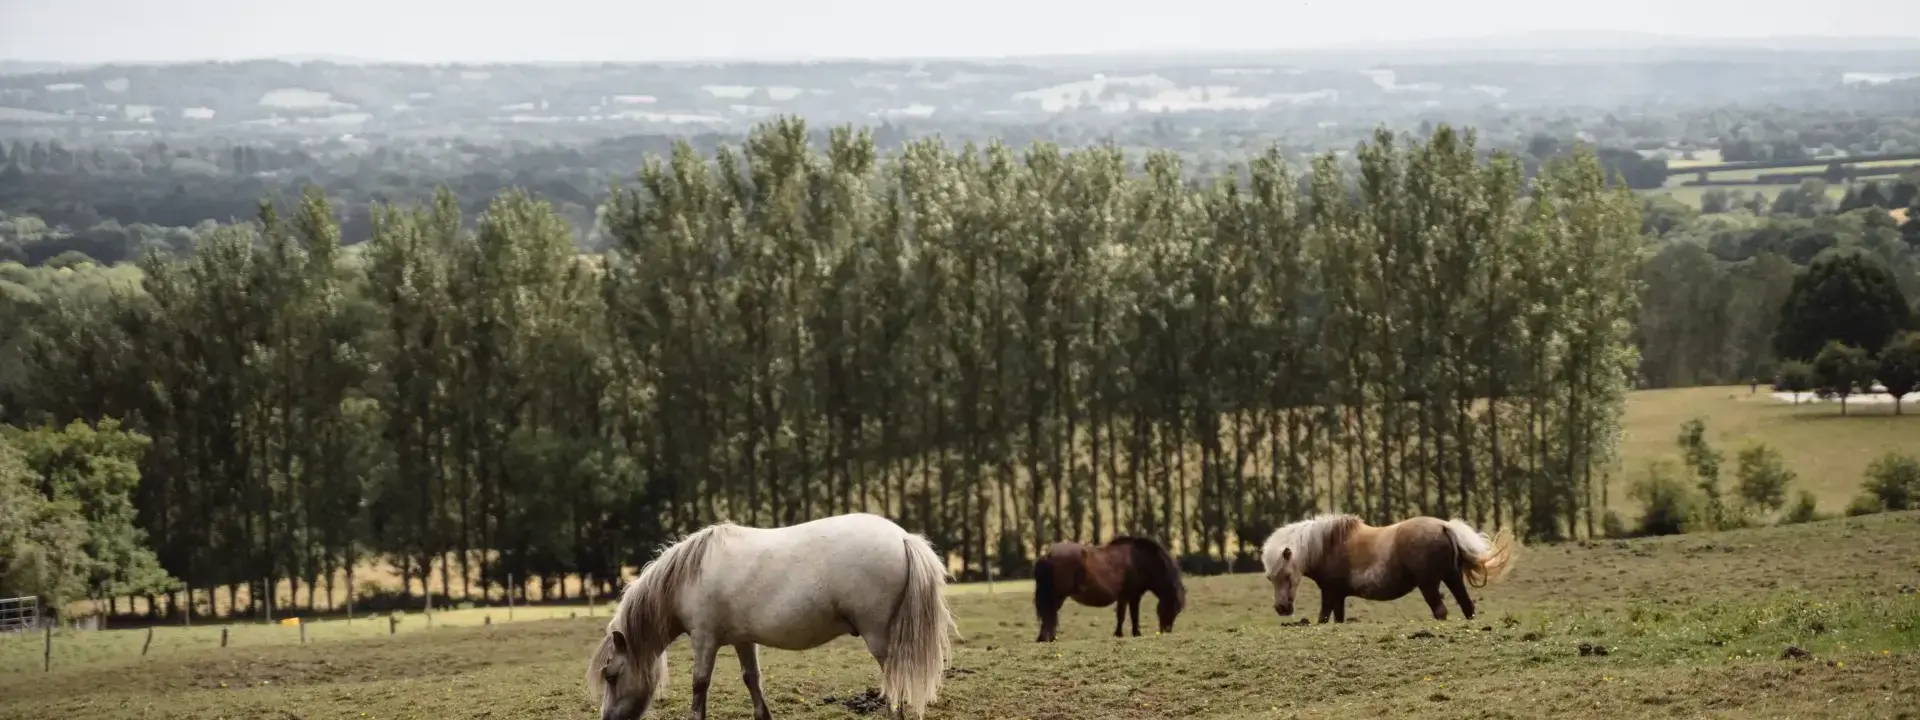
(1763, 477)
(1893, 480)
(1864, 504)
(1611, 525)
(1667, 503)
(1803, 510)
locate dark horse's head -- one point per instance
(1161, 575)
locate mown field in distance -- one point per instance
(1691, 626)
(1692, 194)
(1829, 451)
(1677, 186)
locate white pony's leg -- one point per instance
(749, 654)
(704, 649)
(877, 646)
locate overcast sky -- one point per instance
(591, 30)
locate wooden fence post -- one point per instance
(149, 643)
(47, 657)
(510, 587)
(223, 637)
(303, 633)
(393, 624)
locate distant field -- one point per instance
(1754, 174)
(1830, 452)
(1691, 194)
(1691, 626)
(1700, 157)
(1678, 187)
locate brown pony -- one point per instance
(1347, 557)
(1097, 576)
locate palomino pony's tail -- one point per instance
(918, 643)
(1482, 560)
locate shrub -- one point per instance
(1667, 503)
(1892, 480)
(1863, 504)
(1611, 525)
(1795, 377)
(1803, 510)
(1763, 478)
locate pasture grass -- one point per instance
(1691, 625)
(1829, 452)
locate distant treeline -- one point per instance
(998, 348)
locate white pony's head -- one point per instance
(1291, 549)
(631, 664)
(624, 680)
(1283, 573)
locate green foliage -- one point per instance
(997, 348)
(1893, 481)
(1803, 510)
(1763, 477)
(1613, 526)
(1704, 461)
(97, 471)
(1898, 368)
(1847, 297)
(42, 541)
(1841, 370)
(1865, 504)
(1795, 377)
(1668, 505)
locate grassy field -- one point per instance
(1829, 451)
(1691, 626)
(1754, 174)
(1677, 186)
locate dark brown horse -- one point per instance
(1097, 576)
(1349, 558)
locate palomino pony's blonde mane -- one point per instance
(1309, 538)
(645, 614)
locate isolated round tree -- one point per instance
(1846, 295)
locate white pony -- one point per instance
(792, 588)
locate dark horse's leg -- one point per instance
(1431, 591)
(1458, 587)
(1047, 599)
(1133, 609)
(1119, 616)
(1335, 604)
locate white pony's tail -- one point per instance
(917, 640)
(1484, 559)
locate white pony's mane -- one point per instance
(645, 614)
(1309, 538)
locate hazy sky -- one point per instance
(573, 30)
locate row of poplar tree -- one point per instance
(997, 348)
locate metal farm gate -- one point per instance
(21, 614)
